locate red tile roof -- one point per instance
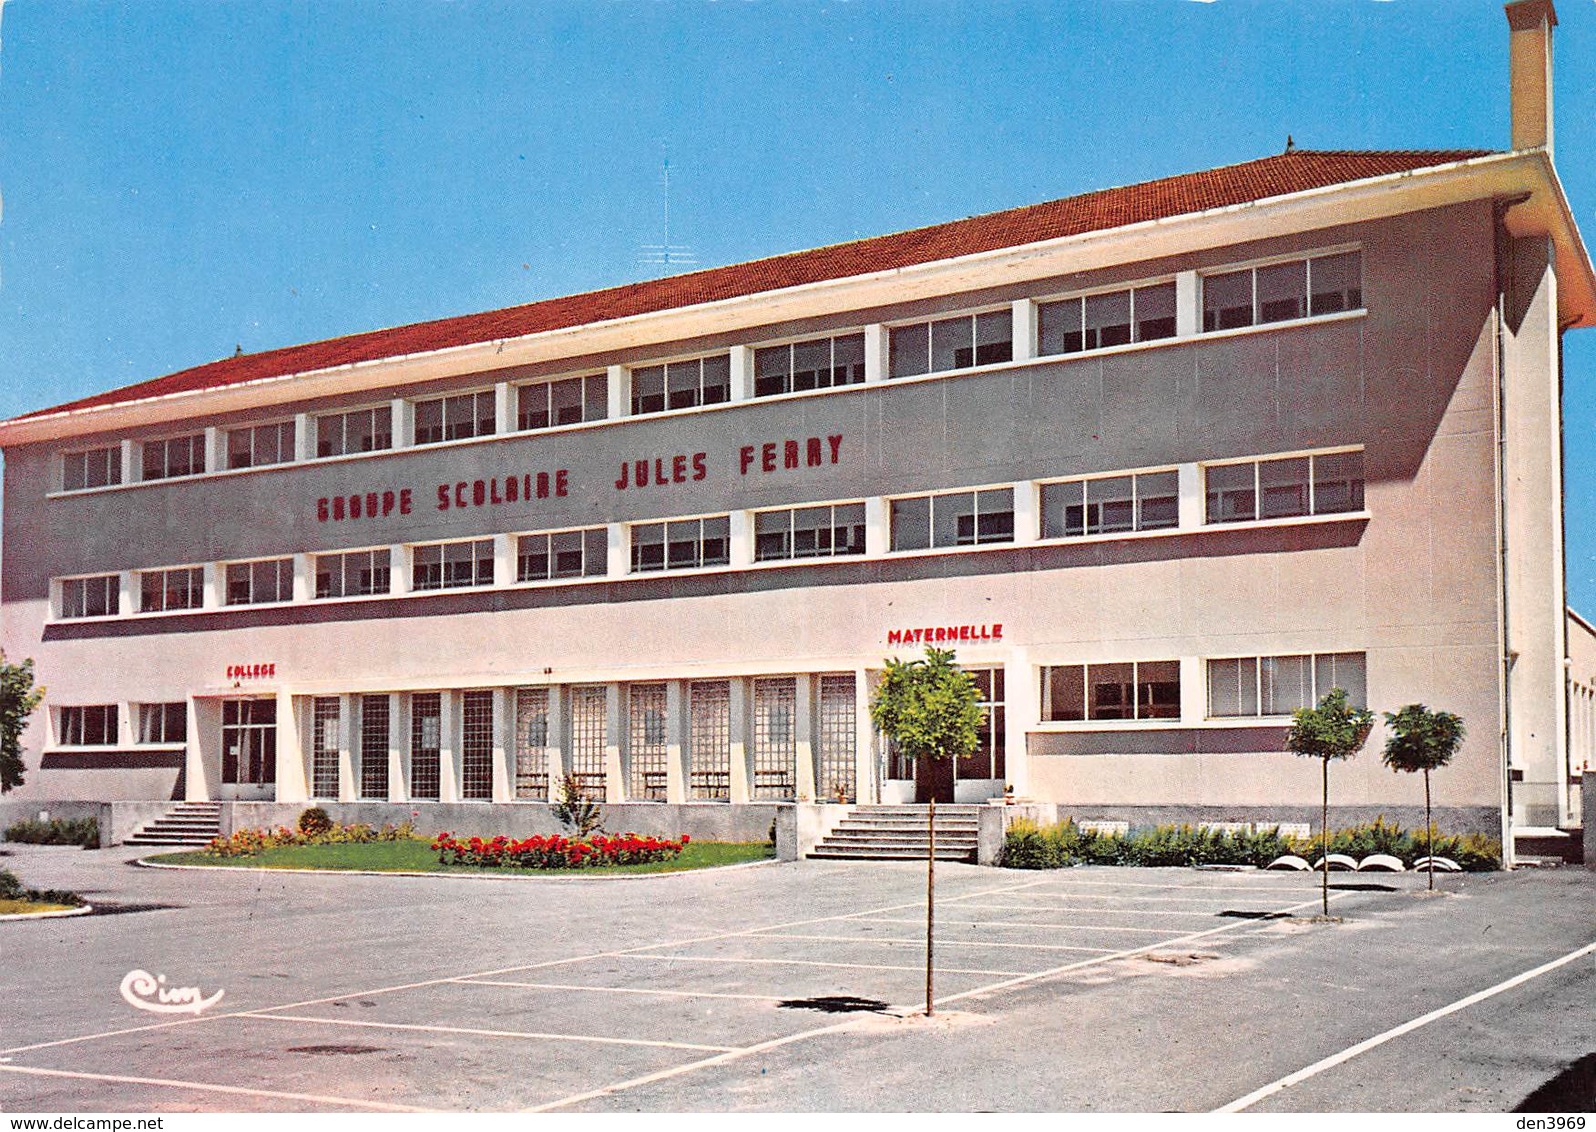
(1290, 172)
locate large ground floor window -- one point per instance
(249, 742)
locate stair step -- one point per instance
(864, 853)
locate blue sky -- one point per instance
(180, 179)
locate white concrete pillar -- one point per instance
(503, 409)
(293, 785)
(556, 738)
(304, 437)
(215, 449)
(449, 770)
(398, 570)
(398, 745)
(348, 772)
(128, 452)
(1191, 507)
(503, 744)
(1024, 330)
(614, 742)
(878, 526)
(876, 350)
(618, 387)
(618, 551)
(742, 373)
(404, 423)
(202, 774)
(1027, 512)
(1188, 304)
(127, 593)
(213, 583)
(304, 577)
(127, 724)
(1022, 710)
(804, 737)
(1193, 690)
(677, 741)
(503, 560)
(864, 748)
(742, 540)
(741, 772)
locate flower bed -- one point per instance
(249, 842)
(555, 851)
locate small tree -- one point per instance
(575, 810)
(930, 709)
(1333, 730)
(18, 698)
(1425, 740)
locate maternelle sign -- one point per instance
(946, 635)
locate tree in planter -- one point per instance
(575, 811)
(1425, 740)
(1333, 730)
(930, 709)
(18, 698)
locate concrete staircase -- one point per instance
(187, 823)
(901, 833)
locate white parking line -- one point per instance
(948, 921)
(204, 1087)
(618, 990)
(920, 942)
(1098, 911)
(1364, 1046)
(739, 960)
(591, 1038)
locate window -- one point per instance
(163, 723)
(426, 743)
(961, 518)
(647, 750)
(180, 456)
(455, 418)
(587, 709)
(374, 747)
(161, 590)
(562, 554)
(952, 343)
(709, 740)
(775, 739)
(361, 430)
(682, 544)
(1114, 318)
(1279, 685)
(987, 761)
(450, 565)
(570, 400)
(1143, 502)
(809, 532)
(91, 597)
(353, 574)
(1277, 292)
(1277, 489)
(681, 385)
(263, 444)
(256, 583)
(836, 739)
(799, 366)
(98, 467)
(89, 726)
(532, 743)
(249, 742)
(326, 722)
(1144, 689)
(476, 746)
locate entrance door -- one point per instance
(933, 778)
(249, 750)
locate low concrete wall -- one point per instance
(121, 820)
(13, 810)
(814, 821)
(703, 821)
(1448, 819)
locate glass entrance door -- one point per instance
(249, 750)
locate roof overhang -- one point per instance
(1524, 177)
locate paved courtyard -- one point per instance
(790, 987)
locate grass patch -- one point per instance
(416, 855)
(17, 907)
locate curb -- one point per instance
(84, 910)
(146, 863)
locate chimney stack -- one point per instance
(1529, 48)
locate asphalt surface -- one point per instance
(791, 988)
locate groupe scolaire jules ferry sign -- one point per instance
(641, 473)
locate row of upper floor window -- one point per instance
(1227, 299)
(1184, 497)
(1236, 688)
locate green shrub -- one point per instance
(56, 831)
(314, 822)
(13, 889)
(1027, 845)
(248, 842)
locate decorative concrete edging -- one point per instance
(146, 863)
(83, 910)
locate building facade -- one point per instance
(1160, 463)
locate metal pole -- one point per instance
(930, 902)
(1324, 836)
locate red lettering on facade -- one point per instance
(813, 452)
(767, 457)
(836, 446)
(321, 510)
(700, 468)
(789, 454)
(678, 469)
(745, 457)
(945, 634)
(562, 483)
